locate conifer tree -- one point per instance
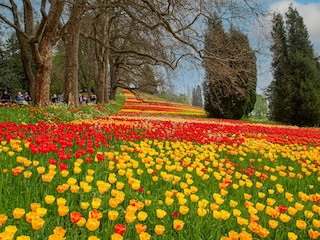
(279, 89)
(296, 91)
(230, 73)
(197, 97)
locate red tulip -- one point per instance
(282, 209)
(120, 229)
(75, 217)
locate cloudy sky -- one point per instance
(310, 12)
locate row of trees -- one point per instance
(294, 94)
(106, 44)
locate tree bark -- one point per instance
(113, 79)
(71, 38)
(43, 76)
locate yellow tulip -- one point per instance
(292, 211)
(61, 201)
(142, 216)
(119, 185)
(17, 213)
(201, 212)
(225, 215)
(316, 223)
(178, 224)
(92, 224)
(41, 211)
(273, 224)
(159, 229)
(161, 213)
(298, 206)
(308, 214)
(242, 221)
(144, 236)
(63, 210)
(284, 217)
(301, 224)
(292, 236)
(233, 203)
(217, 214)
(37, 223)
(130, 217)
(23, 237)
(84, 205)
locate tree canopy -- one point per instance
(230, 68)
(295, 91)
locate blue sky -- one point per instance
(187, 78)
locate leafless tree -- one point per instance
(128, 34)
(40, 38)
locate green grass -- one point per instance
(60, 112)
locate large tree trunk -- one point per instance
(43, 75)
(71, 40)
(26, 62)
(101, 81)
(41, 47)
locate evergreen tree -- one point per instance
(280, 88)
(230, 73)
(12, 77)
(197, 97)
(296, 90)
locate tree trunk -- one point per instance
(26, 62)
(41, 47)
(113, 80)
(101, 83)
(71, 40)
(43, 76)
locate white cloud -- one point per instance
(309, 12)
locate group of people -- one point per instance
(26, 98)
(82, 99)
(19, 98)
(85, 100)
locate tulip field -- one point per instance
(158, 170)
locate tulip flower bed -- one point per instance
(156, 107)
(151, 176)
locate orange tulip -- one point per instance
(313, 234)
(3, 219)
(140, 227)
(95, 214)
(75, 216)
